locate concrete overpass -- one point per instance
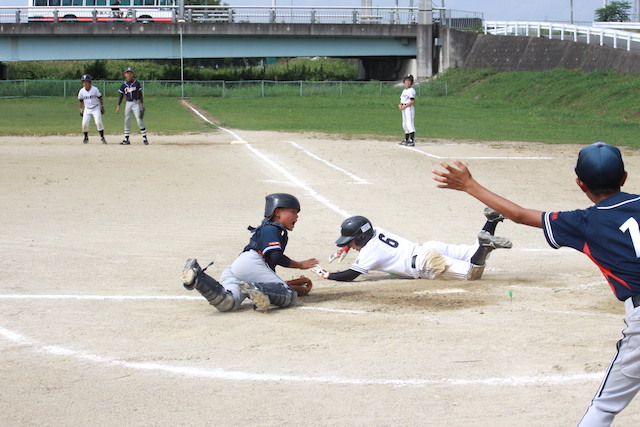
(388, 42)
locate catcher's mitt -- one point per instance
(302, 285)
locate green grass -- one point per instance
(59, 116)
(556, 107)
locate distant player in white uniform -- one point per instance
(384, 251)
(91, 104)
(407, 99)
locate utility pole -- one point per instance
(571, 10)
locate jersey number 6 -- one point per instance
(389, 241)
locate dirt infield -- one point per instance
(95, 327)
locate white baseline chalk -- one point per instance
(424, 153)
(356, 178)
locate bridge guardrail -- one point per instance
(577, 33)
(238, 14)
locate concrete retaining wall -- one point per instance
(509, 53)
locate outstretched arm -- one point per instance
(459, 178)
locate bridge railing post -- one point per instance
(94, 16)
(174, 15)
(313, 16)
(133, 16)
(272, 16)
(55, 16)
(355, 16)
(17, 16)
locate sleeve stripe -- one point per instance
(548, 231)
(269, 248)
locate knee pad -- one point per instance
(278, 293)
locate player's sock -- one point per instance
(490, 227)
(101, 133)
(411, 135)
(406, 136)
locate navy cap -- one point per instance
(600, 166)
(126, 70)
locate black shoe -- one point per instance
(410, 143)
(104, 141)
(86, 140)
(145, 141)
(125, 142)
(403, 142)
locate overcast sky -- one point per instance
(522, 10)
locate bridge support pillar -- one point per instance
(424, 51)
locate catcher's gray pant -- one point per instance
(132, 107)
(248, 267)
(622, 380)
(86, 118)
(408, 115)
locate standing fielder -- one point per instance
(407, 99)
(609, 234)
(132, 90)
(90, 99)
(384, 251)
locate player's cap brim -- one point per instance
(343, 240)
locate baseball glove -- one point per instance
(142, 113)
(302, 285)
(101, 110)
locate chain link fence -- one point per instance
(218, 88)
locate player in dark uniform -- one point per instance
(131, 89)
(609, 234)
(253, 274)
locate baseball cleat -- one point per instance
(260, 301)
(104, 141)
(493, 215)
(86, 140)
(410, 143)
(145, 141)
(125, 142)
(403, 142)
(190, 273)
(494, 242)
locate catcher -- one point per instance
(253, 274)
(384, 251)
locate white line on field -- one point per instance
(356, 178)
(222, 374)
(478, 157)
(151, 297)
(294, 180)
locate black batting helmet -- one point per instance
(357, 228)
(279, 200)
(86, 77)
(408, 76)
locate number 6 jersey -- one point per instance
(386, 252)
(608, 233)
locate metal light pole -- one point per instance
(571, 10)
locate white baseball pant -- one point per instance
(456, 257)
(86, 118)
(408, 115)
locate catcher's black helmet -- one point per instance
(356, 228)
(86, 77)
(279, 200)
(408, 76)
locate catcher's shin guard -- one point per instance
(264, 294)
(193, 277)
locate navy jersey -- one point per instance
(132, 90)
(267, 237)
(608, 233)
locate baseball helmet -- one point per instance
(407, 76)
(128, 69)
(356, 228)
(600, 166)
(86, 77)
(279, 200)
